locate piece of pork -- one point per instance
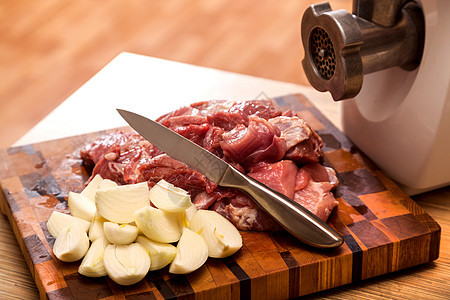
(242, 211)
(135, 160)
(310, 186)
(303, 144)
(253, 136)
(280, 176)
(292, 129)
(248, 146)
(224, 112)
(314, 183)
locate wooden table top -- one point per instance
(109, 88)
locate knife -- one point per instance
(293, 217)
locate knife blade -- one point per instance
(290, 215)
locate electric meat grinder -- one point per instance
(391, 60)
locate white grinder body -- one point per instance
(401, 119)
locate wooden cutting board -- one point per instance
(383, 229)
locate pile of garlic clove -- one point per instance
(126, 231)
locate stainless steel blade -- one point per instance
(296, 219)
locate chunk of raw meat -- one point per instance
(314, 183)
(293, 129)
(259, 142)
(280, 176)
(244, 213)
(278, 149)
(303, 144)
(309, 186)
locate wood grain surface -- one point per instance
(384, 231)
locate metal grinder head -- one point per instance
(341, 47)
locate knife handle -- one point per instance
(290, 215)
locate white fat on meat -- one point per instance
(293, 129)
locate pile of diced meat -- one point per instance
(256, 137)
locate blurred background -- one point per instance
(49, 48)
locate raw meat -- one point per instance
(314, 183)
(278, 149)
(252, 144)
(280, 176)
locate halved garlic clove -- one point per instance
(120, 234)
(126, 264)
(96, 228)
(81, 206)
(92, 264)
(91, 189)
(192, 253)
(58, 221)
(168, 197)
(71, 244)
(158, 225)
(118, 204)
(161, 254)
(189, 213)
(222, 238)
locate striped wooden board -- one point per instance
(383, 229)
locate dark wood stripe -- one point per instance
(337, 223)
(35, 185)
(164, 289)
(359, 206)
(60, 294)
(13, 206)
(50, 239)
(435, 237)
(369, 235)
(359, 182)
(61, 199)
(356, 257)
(181, 287)
(245, 285)
(405, 226)
(36, 249)
(294, 273)
(142, 296)
(435, 241)
(331, 129)
(88, 287)
(330, 141)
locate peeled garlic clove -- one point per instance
(91, 189)
(96, 228)
(222, 238)
(81, 206)
(106, 184)
(192, 252)
(71, 244)
(58, 221)
(118, 204)
(169, 198)
(161, 254)
(120, 234)
(92, 264)
(158, 225)
(126, 264)
(189, 213)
